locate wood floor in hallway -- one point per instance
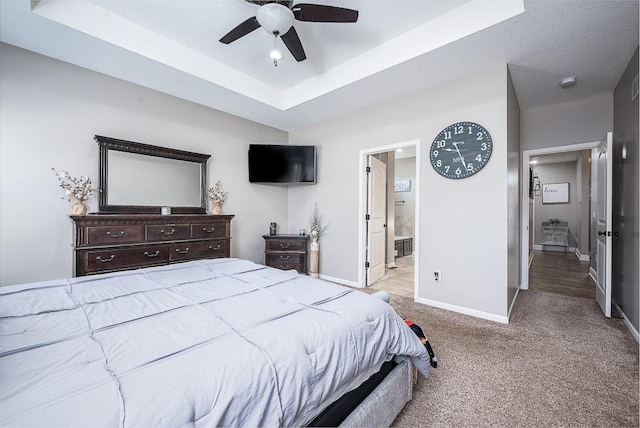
(561, 273)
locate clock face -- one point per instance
(461, 150)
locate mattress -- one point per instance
(223, 342)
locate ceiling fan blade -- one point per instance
(322, 13)
(293, 43)
(242, 29)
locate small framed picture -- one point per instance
(403, 186)
(555, 193)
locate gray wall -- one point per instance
(405, 212)
(625, 195)
(455, 214)
(513, 188)
(581, 121)
(51, 111)
(564, 172)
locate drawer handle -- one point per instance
(284, 245)
(185, 251)
(156, 254)
(171, 232)
(116, 235)
(217, 247)
(287, 267)
(284, 257)
(208, 230)
(110, 259)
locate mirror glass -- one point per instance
(136, 179)
(141, 178)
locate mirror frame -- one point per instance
(106, 143)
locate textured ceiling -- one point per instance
(396, 47)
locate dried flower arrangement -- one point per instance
(316, 222)
(216, 194)
(76, 189)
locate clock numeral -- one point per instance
(447, 168)
(470, 130)
(479, 157)
(435, 153)
(447, 135)
(470, 167)
(439, 163)
(458, 171)
(458, 130)
(483, 146)
(480, 136)
(442, 143)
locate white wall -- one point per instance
(51, 111)
(581, 121)
(462, 233)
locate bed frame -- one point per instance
(386, 401)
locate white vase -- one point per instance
(314, 256)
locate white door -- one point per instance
(603, 224)
(376, 219)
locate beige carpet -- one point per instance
(558, 363)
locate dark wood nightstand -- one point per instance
(286, 252)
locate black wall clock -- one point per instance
(461, 150)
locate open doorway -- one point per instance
(558, 246)
(398, 250)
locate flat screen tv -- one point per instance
(282, 164)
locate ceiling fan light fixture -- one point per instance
(274, 17)
(275, 55)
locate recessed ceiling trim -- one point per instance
(97, 22)
(466, 19)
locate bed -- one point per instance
(222, 342)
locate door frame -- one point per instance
(362, 201)
(524, 198)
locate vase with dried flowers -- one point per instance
(317, 228)
(216, 198)
(77, 190)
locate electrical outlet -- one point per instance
(437, 275)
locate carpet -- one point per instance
(558, 363)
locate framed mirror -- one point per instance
(138, 178)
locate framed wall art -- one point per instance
(555, 193)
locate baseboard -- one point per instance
(593, 274)
(391, 265)
(340, 281)
(465, 311)
(537, 247)
(582, 257)
(531, 258)
(630, 326)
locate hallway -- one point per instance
(561, 273)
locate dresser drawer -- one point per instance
(114, 235)
(119, 258)
(208, 230)
(198, 250)
(286, 245)
(168, 232)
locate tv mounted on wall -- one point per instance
(282, 164)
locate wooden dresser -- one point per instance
(114, 242)
(286, 252)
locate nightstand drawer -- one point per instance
(121, 258)
(284, 258)
(199, 250)
(114, 235)
(286, 245)
(168, 232)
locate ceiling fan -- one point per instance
(276, 17)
